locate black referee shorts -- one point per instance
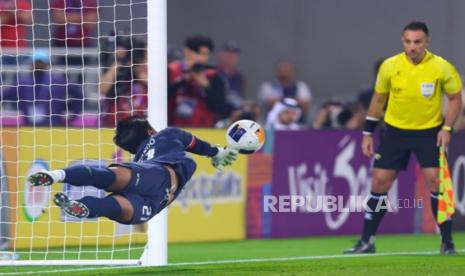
(396, 145)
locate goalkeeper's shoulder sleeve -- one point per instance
(192, 143)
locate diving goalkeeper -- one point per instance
(142, 188)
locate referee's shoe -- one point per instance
(448, 248)
(361, 247)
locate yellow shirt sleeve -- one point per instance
(452, 82)
(383, 83)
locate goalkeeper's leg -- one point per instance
(114, 207)
(111, 179)
(138, 201)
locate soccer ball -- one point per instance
(246, 136)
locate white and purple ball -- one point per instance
(245, 136)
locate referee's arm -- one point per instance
(377, 105)
(454, 106)
(375, 110)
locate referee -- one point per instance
(414, 82)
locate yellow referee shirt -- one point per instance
(416, 91)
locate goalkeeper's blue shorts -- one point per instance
(148, 190)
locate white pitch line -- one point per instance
(232, 261)
(297, 258)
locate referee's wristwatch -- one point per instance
(447, 128)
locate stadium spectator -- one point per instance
(364, 96)
(284, 115)
(227, 60)
(335, 115)
(174, 53)
(15, 15)
(285, 86)
(197, 94)
(74, 22)
(123, 85)
(249, 110)
(43, 98)
(327, 116)
(415, 81)
(355, 115)
(351, 115)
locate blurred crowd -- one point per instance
(201, 93)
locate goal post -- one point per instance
(156, 251)
(33, 231)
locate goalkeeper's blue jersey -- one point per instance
(169, 147)
(150, 184)
(149, 188)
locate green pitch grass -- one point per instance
(397, 255)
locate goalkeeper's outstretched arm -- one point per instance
(221, 156)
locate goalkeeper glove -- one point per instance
(224, 157)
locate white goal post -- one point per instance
(156, 251)
(86, 248)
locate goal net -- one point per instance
(69, 71)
